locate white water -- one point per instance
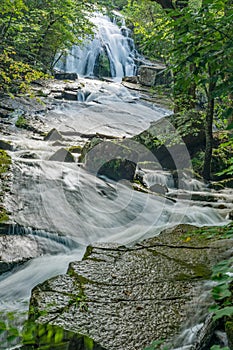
(109, 39)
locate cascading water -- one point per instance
(111, 52)
(70, 207)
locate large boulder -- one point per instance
(115, 159)
(153, 75)
(124, 298)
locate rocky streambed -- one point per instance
(121, 297)
(78, 155)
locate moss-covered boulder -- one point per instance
(173, 140)
(115, 159)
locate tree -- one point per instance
(197, 46)
(32, 32)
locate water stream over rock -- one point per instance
(111, 53)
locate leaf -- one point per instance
(58, 336)
(226, 311)
(220, 292)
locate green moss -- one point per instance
(75, 149)
(5, 162)
(21, 122)
(3, 215)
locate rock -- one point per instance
(124, 298)
(66, 76)
(157, 188)
(115, 159)
(230, 215)
(70, 95)
(75, 149)
(29, 155)
(62, 155)
(53, 135)
(4, 113)
(58, 144)
(5, 145)
(132, 80)
(118, 169)
(206, 334)
(16, 250)
(152, 75)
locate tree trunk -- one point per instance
(209, 140)
(209, 129)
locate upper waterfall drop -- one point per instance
(112, 47)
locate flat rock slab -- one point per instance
(124, 298)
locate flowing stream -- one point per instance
(65, 208)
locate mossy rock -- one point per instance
(118, 169)
(108, 157)
(3, 215)
(22, 122)
(5, 161)
(75, 149)
(89, 146)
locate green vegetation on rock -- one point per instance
(5, 162)
(22, 122)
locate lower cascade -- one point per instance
(110, 261)
(111, 53)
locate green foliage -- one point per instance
(15, 76)
(218, 232)
(217, 347)
(32, 33)
(222, 291)
(157, 344)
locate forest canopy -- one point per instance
(32, 32)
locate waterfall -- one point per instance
(110, 53)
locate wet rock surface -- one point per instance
(16, 250)
(124, 298)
